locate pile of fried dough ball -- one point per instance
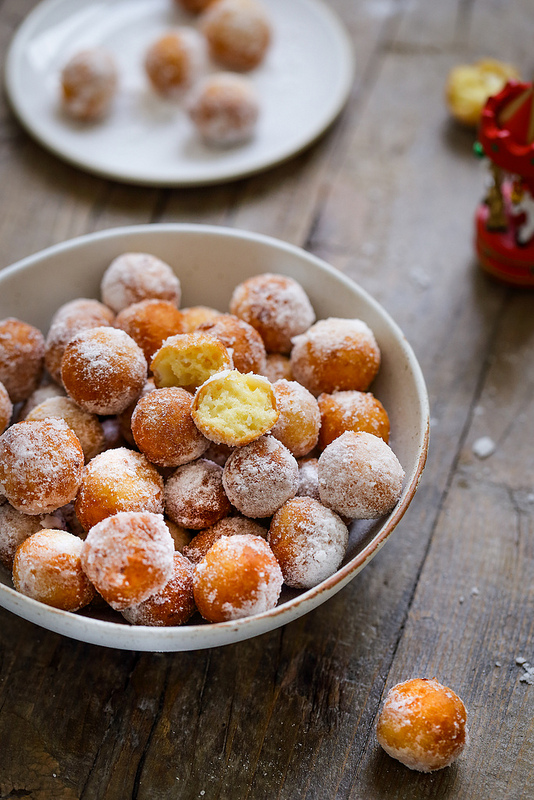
(172, 460)
(205, 65)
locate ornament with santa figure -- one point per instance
(505, 218)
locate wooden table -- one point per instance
(387, 196)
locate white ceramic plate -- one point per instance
(210, 261)
(303, 84)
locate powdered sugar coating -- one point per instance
(308, 540)
(132, 277)
(47, 568)
(238, 33)
(41, 465)
(224, 108)
(335, 354)
(277, 306)
(242, 341)
(42, 393)
(85, 425)
(22, 349)
(194, 495)
(118, 480)
(360, 476)
(308, 478)
(15, 527)
(172, 605)
(351, 411)
(175, 61)
(128, 557)
(238, 577)
(89, 83)
(6, 408)
(260, 477)
(71, 318)
(277, 367)
(164, 430)
(229, 526)
(299, 421)
(103, 370)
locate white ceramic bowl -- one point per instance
(210, 261)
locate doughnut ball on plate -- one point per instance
(360, 476)
(164, 430)
(71, 318)
(195, 316)
(277, 367)
(15, 527)
(132, 277)
(238, 33)
(423, 724)
(22, 350)
(47, 567)
(85, 425)
(41, 465)
(149, 323)
(308, 478)
(238, 576)
(103, 370)
(299, 421)
(224, 109)
(277, 306)
(351, 411)
(308, 540)
(88, 84)
(335, 354)
(172, 605)
(175, 61)
(128, 557)
(6, 408)
(241, 339)
(189, 359)
(259, 477)
(229, 526)
(118, 480)
(233, 409)
(194, 495)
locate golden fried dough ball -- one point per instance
(277, 367)
(41, 465)
(47, 568)
(308, 540)
(149, 323)
(233, 409)
(360, 476)
(88, 84)
(103, 370)
(351, 411)
(423, 724)
(189, 359)
(164, 430)
(71, 318)
(308, 478)
(194, 495)
(85, 425)
(195, 316)
(238, 577)
(229, 526)
(118, 480)
(172, 605)
(238, 33)
(42, 393)
(469, 86)
(22, 350)
(259, 477)
(241, 339)
(277, 306)
(128, 557)
(299, 421)
(224, 109)
(132, 277)
(174, 61)
(6, 408)
(124, 419)
(335, 355)
(15, 527)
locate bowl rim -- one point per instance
(160, 639)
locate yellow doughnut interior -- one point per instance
(188, 360)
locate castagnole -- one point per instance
(132, 277)
(89, 83)
(189, 359)
(229, 526)
(423, 724)
(22, 349)
(238, 33)
(175, 60)
(351, 411)
(194, 495)
(174, 604)
(149, 323)
(299, 422)
(240, 338)
(224, 109)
